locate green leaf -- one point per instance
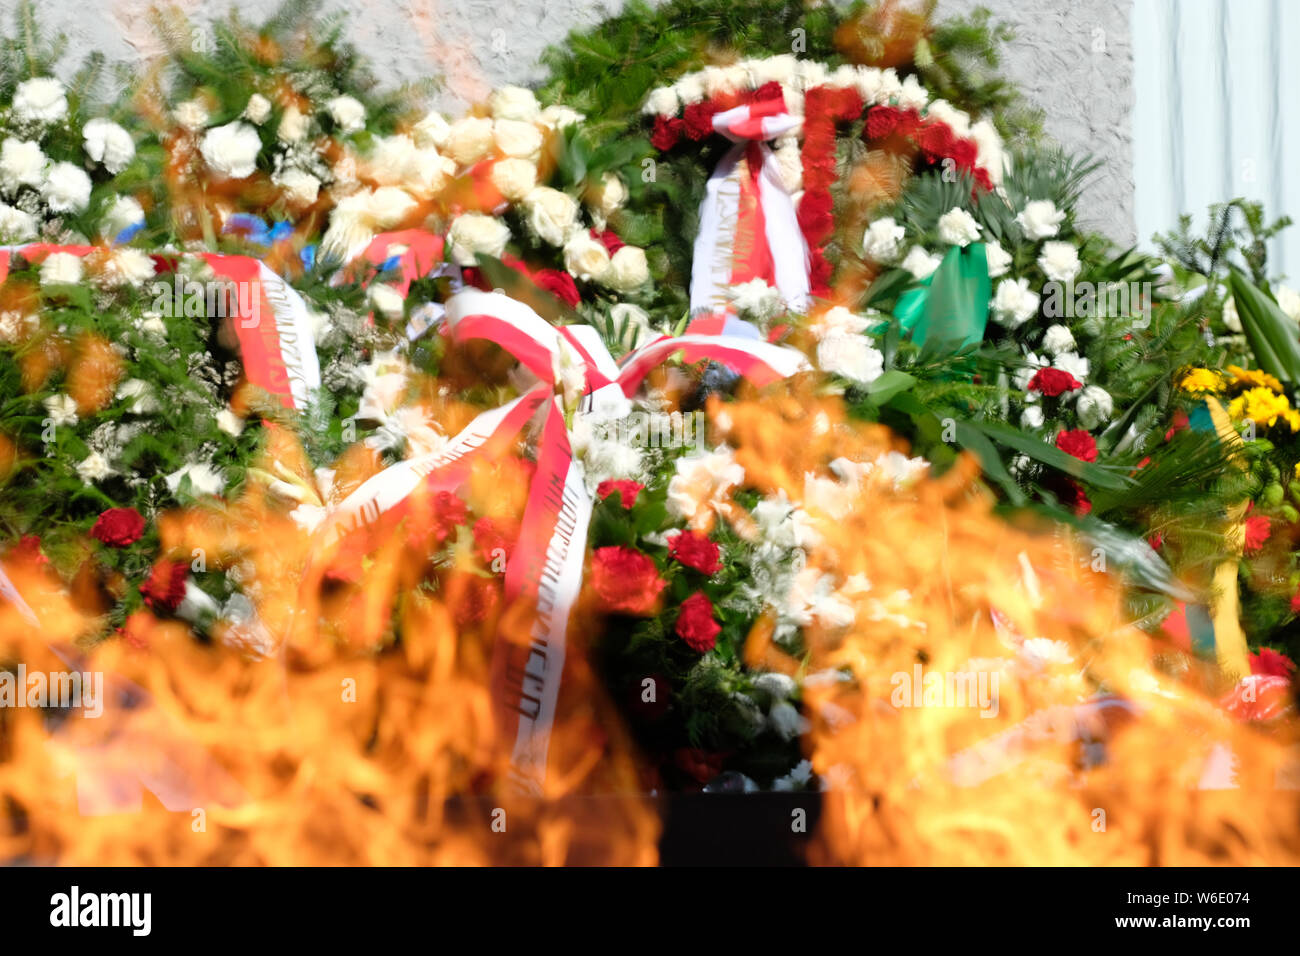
(1271, 335)
(1040, 451)
(888, 385)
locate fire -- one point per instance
(1043, 772)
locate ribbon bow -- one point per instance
(545, 568)
(748, 225)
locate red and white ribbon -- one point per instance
(546, 566)
(748, 225)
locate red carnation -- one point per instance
(494, 539)
(1053, 382)
(1271, 663)
(768, 91)
(1078, 443)
(626, 580)
(609, 239)
(695, 551)
(816, 216)
(165, 588)
(695, 623)
(559, 284)
(699, 119)
(1257, 532)
(1079, 502)
(28, 551)
(881, 121)
(118, 527)
(627, 490)
(668, 130)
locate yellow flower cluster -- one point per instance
(1200, 381)
(1264, 407)
(1253, 378)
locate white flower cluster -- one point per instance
(795, 76)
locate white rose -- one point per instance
(191, 115)
(40, 100)
(348, 113)
(16, 225)
(1059, 261)
(386, 300)
(1013, 303)
(1057, 339)
(627, 270)
(474, 232)
(108, 143)
(432, 130)
(1032, 417)
(1094, 406)
(551, 214)
(293, 126)
(998, 258)
(300, 187)
(958, 227)
(585, 258)
(514, 103)
(66, 188)
(122, 214)
(388, 205)
(1040, 219)
(21, 164)
(61, 268)
(138, 394)
(559, 117)
(231, 150)
(852, 357)
(661, 102)
(881, 239)
(920, 263)
(94, 467)
(1288, 300)
(608, 196)
(469, 140)
(514, 178)
(517, 138)
(230, 423)
(397, 161)
(258, 109)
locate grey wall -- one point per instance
(1072, 57)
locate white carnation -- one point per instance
(230, 423)
(1013, 303)
(293, 126)
(662, 102)
(1094, 406)
(62, 409)
(958, 227)
(21, 164)
(66, 188)
(1032, 417)
(1040, 219)
(921, 263)
(191, 115)
(94, 467)
(61, 268)
(1059, 261)
(108, 143)
(1073, 363)
(998, 258)
(231, 150)
(138, 394)
(1057, 339)
(204, 479)
(852, 357)
(258, 109)
(16, 225)
(122, 214)
(756, 299)
(559, 117)
(40, 100)
(126, 267)
(882, 238)
(300, 187)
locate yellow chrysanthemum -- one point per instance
(1293, 420)
(1199, 381)
(1260, 405)
(1253, 378)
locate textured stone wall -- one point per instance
(1072, 57)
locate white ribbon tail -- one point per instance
(711, 268)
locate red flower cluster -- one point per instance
(1078, 443)
(695, 551)
(627, 490)
(695, 623)
(1053, 382)
(626, 580)
(1258, 529)
(494, 539)
(1271, 663)
(118, 527)
(557, 283)
(165, 588)
(28, 551)
(609, 239)
(934, 138)
(824, 107)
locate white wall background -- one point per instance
(1072, 57)
(1216, 115)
